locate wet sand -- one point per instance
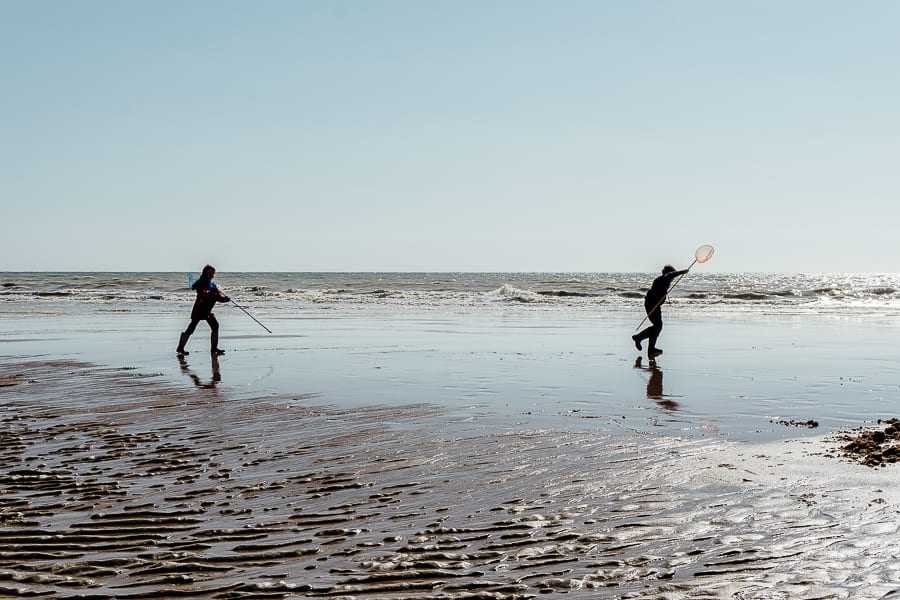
(123, 483)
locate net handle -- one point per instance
(652, 310)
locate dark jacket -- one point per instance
(207, 296)
(656, 295)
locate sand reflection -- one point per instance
(655, 384)
(215, 377)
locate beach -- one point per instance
(434, 237)
(435, 451)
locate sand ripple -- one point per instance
(114, 484)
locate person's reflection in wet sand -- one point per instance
(216, 374)
(655, 384)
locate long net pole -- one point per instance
(652, 310)
(192, 279)
(251, 316)
(707, 251)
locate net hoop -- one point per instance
(704, 253)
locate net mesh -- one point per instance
(704, 253)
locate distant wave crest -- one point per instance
(881, 291)
(566, 294)
(514, 294)
(597, 292)
(747, 296)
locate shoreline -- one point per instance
(735, 377)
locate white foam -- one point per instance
(509, 292)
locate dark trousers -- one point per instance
(213, 335)
(655, 328)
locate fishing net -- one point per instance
(193, 278)
(704, 253)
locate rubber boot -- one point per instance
(214, 343)
(181, 342)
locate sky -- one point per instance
(425, 135)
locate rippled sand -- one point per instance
(116, 484)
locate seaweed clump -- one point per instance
(874, 447)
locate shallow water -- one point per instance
(733, 377)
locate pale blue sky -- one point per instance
(466, 135)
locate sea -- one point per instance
(853, 294)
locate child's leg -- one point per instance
(214, 334)
(184, 336)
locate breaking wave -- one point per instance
(851, 293)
